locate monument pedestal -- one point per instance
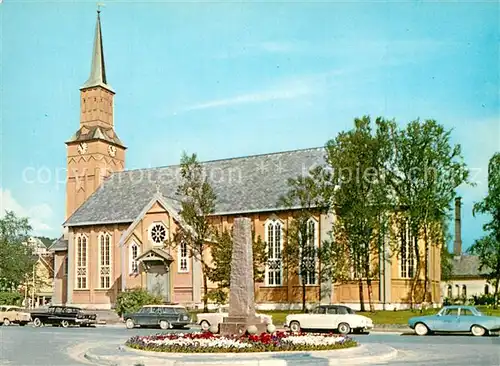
(239, 324)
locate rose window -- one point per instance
(158, 234)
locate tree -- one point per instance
(304, 199)
(487, 248)
(425, 173)
(198, 203)
(358, 162)
(16, 261)
(222, 251)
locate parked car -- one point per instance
(206, 320)
(63, 316)
(329, 317)
(14, 315)
(455, 319)
(163, 316)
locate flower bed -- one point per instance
(207, 342)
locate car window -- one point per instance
(319, 310)
(179, 310)
(2, 308)
(11, 309)
(342, 310)
(466, 312)
(145, 310)
(451, 312)
(331, 311)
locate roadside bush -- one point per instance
(484, 299)
(132, 300)
(10, 298)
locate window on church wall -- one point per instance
(486, 289)
(65, 265)
(406, 252)
(183, 258)
(81, 262)
(274, 233)
(158, 234)
(308, 257)
(134, 253)
(464, 291)
(105, 261)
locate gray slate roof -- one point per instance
(59, 245)
(242, 185)
(467, 266)
(96, 133)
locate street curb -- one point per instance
(265, 359)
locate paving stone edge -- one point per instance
(147, 360)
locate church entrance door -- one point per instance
(158, 281)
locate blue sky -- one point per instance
(231, 79)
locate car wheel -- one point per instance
(130, 324)
(478, 331)
(205, 325)
(64, 324)
(6, 322)
(344, 328)
(295, 327)
(37, 322)
(421, 329)
(164, 324)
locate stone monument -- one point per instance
(241, 290)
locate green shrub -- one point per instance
(132, 300)
(10, 298)
(484, 299)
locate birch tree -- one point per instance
(488, 247)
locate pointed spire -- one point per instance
(98, 70)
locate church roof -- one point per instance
(98, 69)
(467, 266)
(60, 244)
(242, 185)
(96, 133)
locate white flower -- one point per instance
(312, 340)
(201, 343)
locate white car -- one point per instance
(206, 320)
(329, 317)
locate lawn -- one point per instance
(378, 317)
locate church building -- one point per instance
(118, 220)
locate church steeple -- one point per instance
(95, 150)
(98, 69)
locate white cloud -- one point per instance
(39, 215)
(288, 91)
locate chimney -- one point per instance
(457, 246)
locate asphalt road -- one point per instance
(58, 346)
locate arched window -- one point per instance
(407, 252)
(450, 292)
(274, 234)
(486, 289)
(464, 291)
(105, 261)
(182, 258)
(308, 255)
(134, 253)
(81, 262)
